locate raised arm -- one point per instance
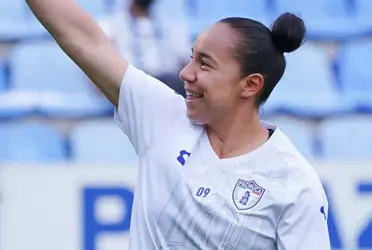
(84, 42)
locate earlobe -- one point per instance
(252, 85)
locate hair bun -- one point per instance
(288, 32)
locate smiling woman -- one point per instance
(213, 176)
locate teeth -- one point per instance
(193, 94)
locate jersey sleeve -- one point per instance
(147, 108)
(303, 225)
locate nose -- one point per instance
(188, 73)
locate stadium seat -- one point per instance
(3, 81)
(96, 8)
(174, 9)
(249, 9)
(307, 87)
(12, 105)
(11, 17)
(354, 66)
(325, 20)
(116, 5)
(30, 143)
(206, 12)
(54, 84)
(309, 8)
(17, 22)
(43, 66)
(363, 8)
(101, 142)
(300, 132)
(346, 138)
(177, 16)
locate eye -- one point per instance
(203, 63)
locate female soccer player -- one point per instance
(212, 175)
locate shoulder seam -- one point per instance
(286, 187)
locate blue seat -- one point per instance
(325, 20)
(355, 76)
(11, 105)
(11, 16)
(363, 8)
(363, 16)
(17, 22)
(346, 138)
(174, 9)
(206, 12)
(300, 132)
(30, 143)
(177, 16)
(307, 87)
(309, 8)
(101, 142)
(43, 66)
(113, 6)
(96, 8)
(3, 79)
(58, 87)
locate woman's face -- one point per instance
(212, 78)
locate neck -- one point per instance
(237, 135)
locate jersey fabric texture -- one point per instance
(188, 198)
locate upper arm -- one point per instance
(147, 108)
(84, 42)
(303, 225)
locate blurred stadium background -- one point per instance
(68, 173)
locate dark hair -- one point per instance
(260, 50)
(145, 4)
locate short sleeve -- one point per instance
(147, 108)
(303, 225)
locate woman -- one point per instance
(212, 175)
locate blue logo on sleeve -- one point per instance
(323, 212)
(181, 158)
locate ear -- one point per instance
(252, 84)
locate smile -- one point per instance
(191, 94)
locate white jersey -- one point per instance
(188, 198)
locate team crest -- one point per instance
(247, 194)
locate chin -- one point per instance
(194, 118)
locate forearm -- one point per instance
(66, 21)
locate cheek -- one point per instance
(223, 90)
(219, 99)
(219, 91)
